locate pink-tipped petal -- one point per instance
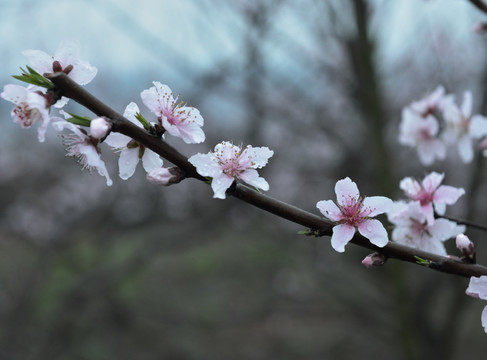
(346, 190)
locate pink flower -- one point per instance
(176, 118)
(429, 193)
(65, 56)
(353, 213)
(430, 103)
(478, 288)
(412, 229)
(83, 147)
(130, 150)
(228, 163)
(31, 107)
(421, 133)
(462, 127)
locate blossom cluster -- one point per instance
(415, 224)
(417, 221)
(34, 104)
(422, 121)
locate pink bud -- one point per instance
(165, 176)
(99, 128)
(374, 259)
(465, 246)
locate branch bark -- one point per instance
(69, 88)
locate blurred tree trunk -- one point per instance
(368, 97)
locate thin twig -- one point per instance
(464, 222)
(392, 250)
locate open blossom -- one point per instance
(31, 107)
(176, 118)
(66, 55)
(412, 228)
(354, 213)
(430, 103)
(422, 134)
(430, 193)
(478, 288)
(130, 150)
(83, 147)
(462, 127)
(229, 162)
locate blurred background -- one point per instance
(136, 271)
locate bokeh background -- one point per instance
(136, 271)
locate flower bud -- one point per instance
(374, 259)
(99, 128)
(466, 247)
(165, 176)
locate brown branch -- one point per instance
(479, 4)
(392, 250)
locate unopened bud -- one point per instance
(466, 247)
(374, 259)
(165, 176)
(99, 128)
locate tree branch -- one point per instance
(450, 265)
(479, 4)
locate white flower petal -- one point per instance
(465, 148)
(129, 113)
(220, 184)
(446, 194)
(477, 287)
(377, 205)
(258, 156)
(252, 178)
(374, 231)
(478, 126)
(341, 236)
(129, 158)
(329, 210)
(205, 164)
(117, 140)
(151, 160)
(40, 61)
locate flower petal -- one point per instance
(342, 234)
(206, 164)
(252, 177)
(129, 158)
(477, 287)
(220, 184)
(258, 156)
(446, 194)
(376, 205)
(151, 160)
(345, 190)
(374, 231)
(329, 210)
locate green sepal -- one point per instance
(143, 121)
(421, 261)
(79, 120)
(306, 232)
(31, 76)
